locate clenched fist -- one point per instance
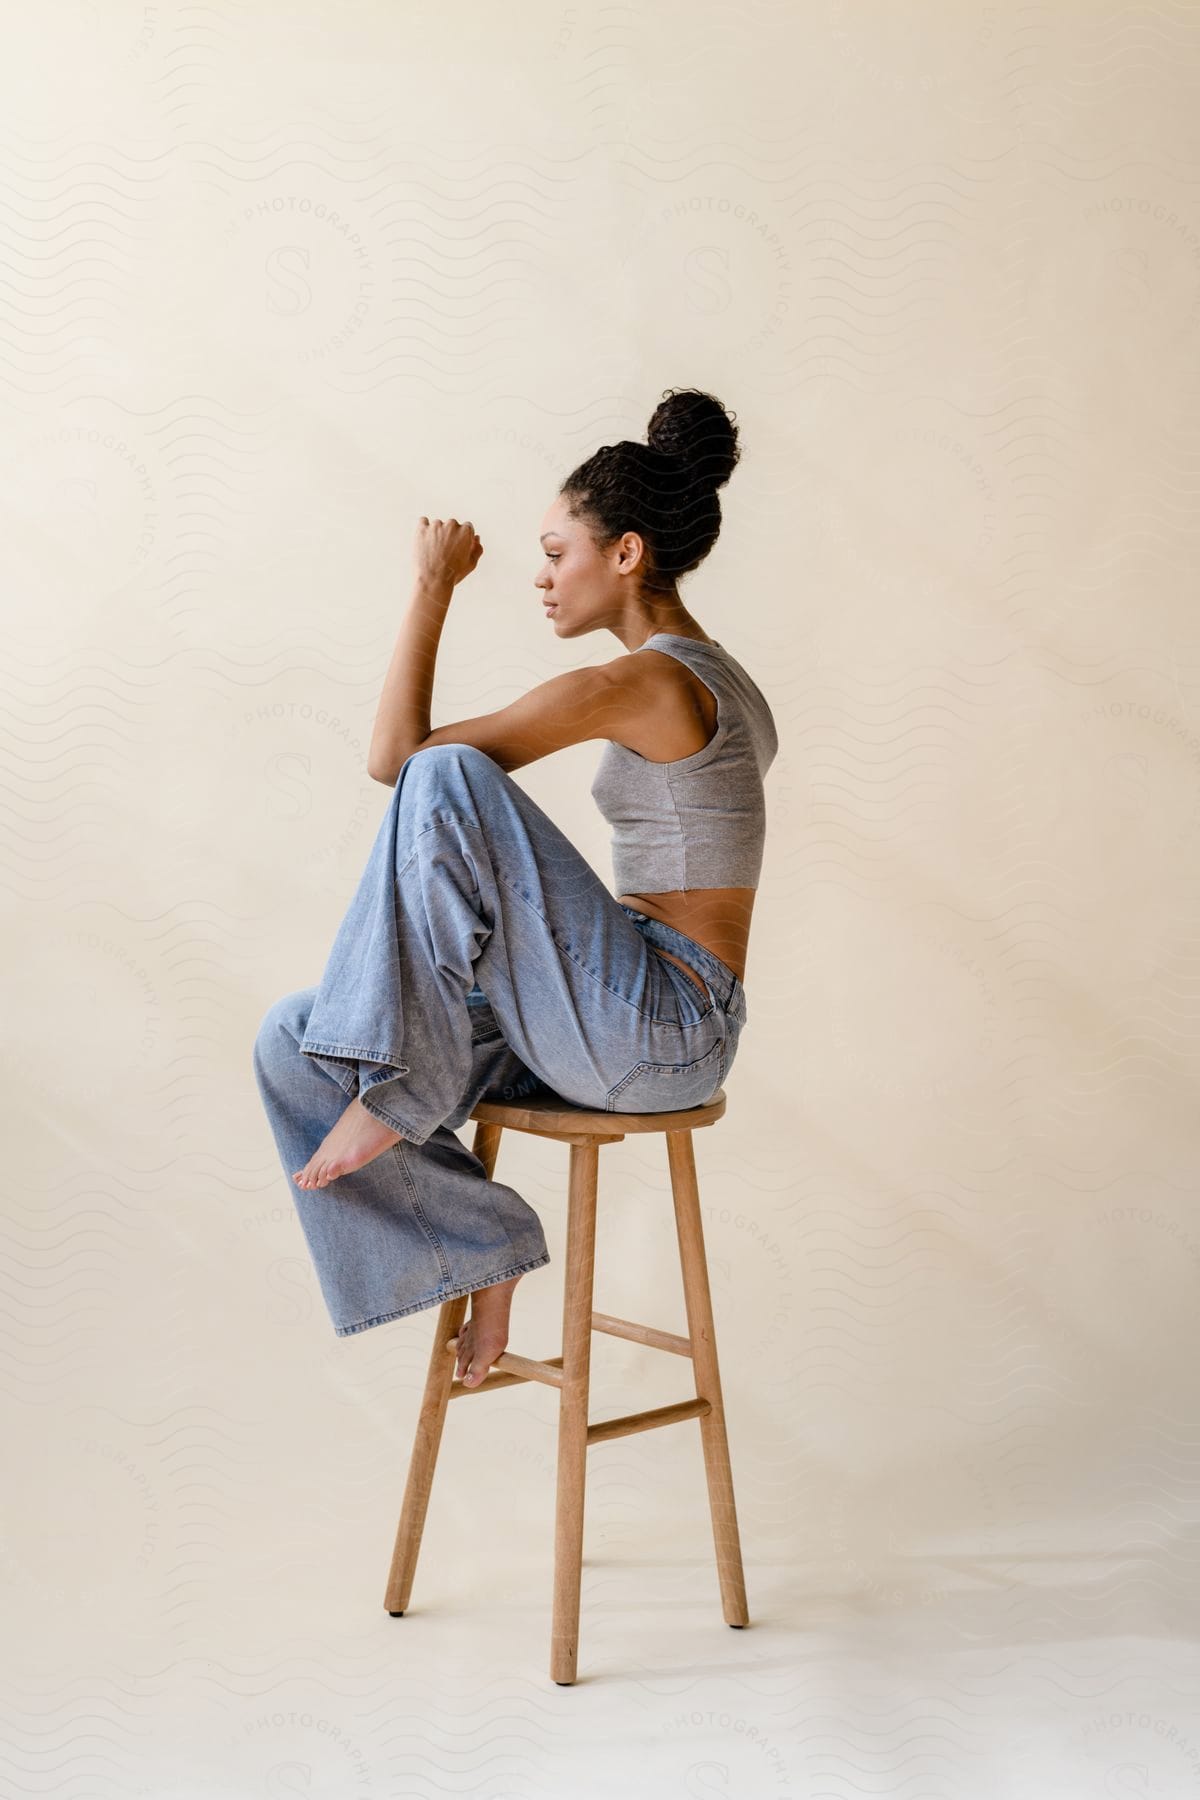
(445, 550)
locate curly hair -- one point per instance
(664, 489)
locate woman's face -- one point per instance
(583, 588)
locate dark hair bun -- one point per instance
(665, 489)
(696, 428)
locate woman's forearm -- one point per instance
(402, 722)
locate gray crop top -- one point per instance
(700, 821)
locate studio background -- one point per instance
(279, 279)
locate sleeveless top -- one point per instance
(700, 821)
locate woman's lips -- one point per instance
(552, 606)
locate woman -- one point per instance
(481, 956)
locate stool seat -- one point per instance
(549, 1115)
(585, 1130)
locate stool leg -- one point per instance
(573, 1410)
(698, 1300)
(423, 1461)
(439, 1379)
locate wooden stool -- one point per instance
(552, 1117)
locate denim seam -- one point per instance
(442, 1293)
(356, 1050)
(393, 1121)
(437, 825)
(415, 1201)
(347, 1081)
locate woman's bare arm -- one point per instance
(444, 553)
(402, 720)
(568, 709)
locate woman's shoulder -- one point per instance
(664, 710)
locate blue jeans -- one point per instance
(481, 957)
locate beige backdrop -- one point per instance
(278, 279)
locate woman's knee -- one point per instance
(443, 764)
(283, 1025)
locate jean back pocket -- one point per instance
(669, 1087)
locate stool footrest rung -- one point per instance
(642, 1334)
(646, 1421)
(514, 1368)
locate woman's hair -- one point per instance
(664, 489)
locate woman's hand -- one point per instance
(445, 551)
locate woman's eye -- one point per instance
(553, 555)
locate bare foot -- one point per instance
(485, 1335)
(356, 1139)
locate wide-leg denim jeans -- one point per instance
(480, 957)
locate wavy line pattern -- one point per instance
(274, 282)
